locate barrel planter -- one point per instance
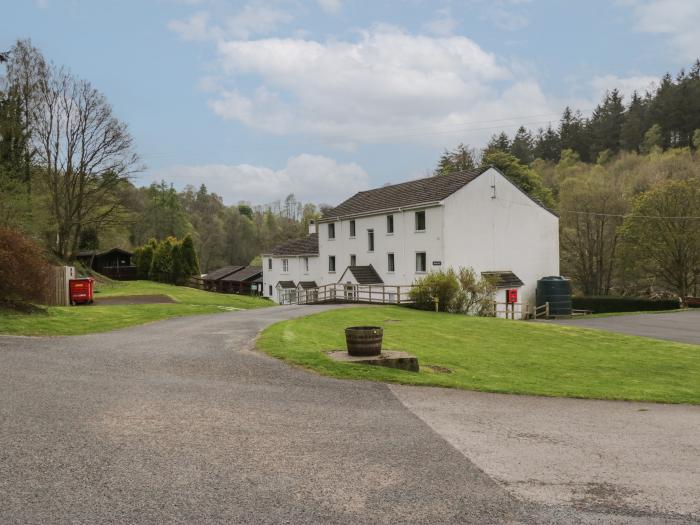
(364, 340)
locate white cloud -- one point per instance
(625, 85)
(678, 20)
(387, 82)
(330, 6)
(194, 28)
(442, 24)
(256, 18)
(312, 178)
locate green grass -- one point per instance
(78, 320)
(496, 355)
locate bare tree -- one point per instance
(84, 154)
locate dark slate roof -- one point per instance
(221, 273)
(307, 285)
(246, 273)
(90, 253)
(411, 193)
(503, 279)
(306, 246)
(286, 284)
(365, 274)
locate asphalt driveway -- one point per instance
(181, 422)
(683, 327)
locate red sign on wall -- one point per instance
(512, 295)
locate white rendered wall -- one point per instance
(296, 272)
(508, 232)
(403, 243)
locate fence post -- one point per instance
(546, 310)
(398, 295)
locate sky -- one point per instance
(323, 98)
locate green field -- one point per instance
(495, 355)
(84, 319)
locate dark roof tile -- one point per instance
(365, 274)
(503, 279)
(305, 246)
(411, 193)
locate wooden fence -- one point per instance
(57, 285)
(348, 293)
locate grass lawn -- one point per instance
(76, 320)
(495, 355)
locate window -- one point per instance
(285, 265)
(331, 263)
(269, 290)
(306, 264)
(420, 221)
(353, 260)
(390, 224)
(370, 240)
(352, 228)
(390, 265)
(331, 231)
(269, 264)
(420, 262)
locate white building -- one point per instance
(394, 234)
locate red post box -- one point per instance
(511, 295)
(81, 290)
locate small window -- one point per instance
(353, 260)
(390, 224)
(269, 264)
(269, 290)
(390, 265)
(331, 231)
(331, 263)
(285, 265)
(352, 228)
(420, 221)
(420, 262)
(370, 240)
(306, 264)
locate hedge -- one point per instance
(609, 304)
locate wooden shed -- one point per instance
(114, 263)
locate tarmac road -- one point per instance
(181, 422)
(683, 327)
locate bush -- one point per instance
(23, 270)
(461, 291)
(607, 304)
(162, 263)
(143, 258)
(441, 285)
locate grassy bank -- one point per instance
(76, 320)
(496, 355)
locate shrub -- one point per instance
(162, 263)
(189, 254)
(608, 304)
(23, 270)
(441, 285)
(143, 258)
(477, 293)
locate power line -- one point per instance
(630, 216)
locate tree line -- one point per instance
(67, 165)
(625, 183)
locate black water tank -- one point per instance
(556, 291)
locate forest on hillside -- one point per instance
(625, 182)
(66, 177)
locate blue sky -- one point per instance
(324, 97)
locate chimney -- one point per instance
(312, 227)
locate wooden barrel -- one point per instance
(364, 340)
